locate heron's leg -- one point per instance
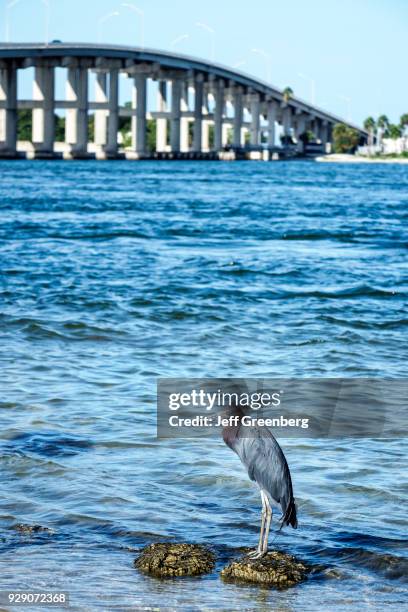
(267, 526)
(258, 552)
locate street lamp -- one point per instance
(207, 28)
(177, 40)
(138, 11)
(9, 6)
(13, 3)
(268, 60)
(312, 86)
(102, 20)
(347, 100)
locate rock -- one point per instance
(276, 569)
(30, 529)
(168, 560)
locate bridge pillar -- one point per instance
(8, 112)
(271, 117)
(218, 115)
(43, 121)
(316, 128)
(225, 132)
(238, 110)
(205, 136)
(113, 117)
(323, 134)
(287, 119)
(329, 137)
(175, 115)
(299, 130)
(101, 116)
(139, 103)
(198, 114)
(184, 122)
(76, 122)
(161, 124)
(205, 126)
(255, 118)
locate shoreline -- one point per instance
(347, 158)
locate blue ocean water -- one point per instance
(116, 273)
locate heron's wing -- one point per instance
(266, 464)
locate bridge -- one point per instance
(203, 109)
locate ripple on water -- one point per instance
(115, 273)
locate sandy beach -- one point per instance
(359, 159)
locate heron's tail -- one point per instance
(290, 518)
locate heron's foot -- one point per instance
(256, 554)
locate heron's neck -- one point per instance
(230, 431)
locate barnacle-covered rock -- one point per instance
(275, 569)
(168, 560)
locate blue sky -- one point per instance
(355, 49)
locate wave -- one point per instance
(390, 566)
(46, 443)
(359, 324)
(348, 292)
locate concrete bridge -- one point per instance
(194, 98)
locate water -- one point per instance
(116, 273)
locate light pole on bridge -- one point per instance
(102, 20)
(13, 3)
(268, 60)
(347, 100)
(178, 40)
(140, 13)
(211, 31)
(312, 86)
(9, 6)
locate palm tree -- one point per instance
(382, 126)
(287, 94)
(404, 125)
(369, 126)
(404, 121)
(395, 131)
(383, 121)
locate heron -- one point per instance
(266, 464)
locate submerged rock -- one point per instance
(276, 569)
(167, 560)
(30, 529)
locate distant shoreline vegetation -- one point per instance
(346, 139)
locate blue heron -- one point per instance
(266, 465)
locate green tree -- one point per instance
(404, 122)
(307, 136)
(382, 126)
(287, 94)
(211, 136)
(24, 124)
(91, 127)
(125, 127)
(383, 122)
(369, 126)
(151, 135)
(394, 131)
(345, 138)
(59, 128)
